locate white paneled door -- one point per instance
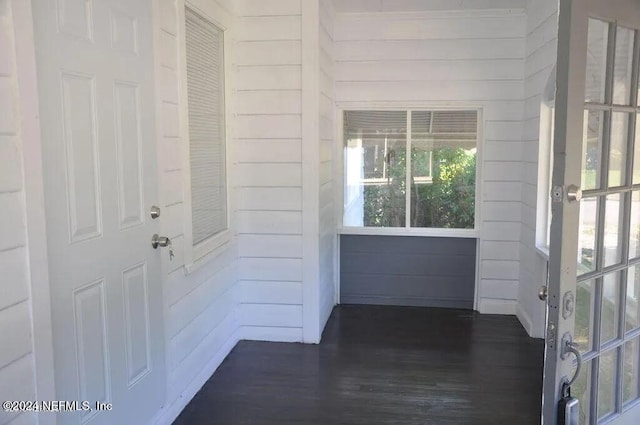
(593, 327)
(96, 93)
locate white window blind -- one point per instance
(375, 123)
(205, 93)
(445, 128)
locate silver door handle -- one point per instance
(569, 347)
(543, 293)
(162, 241)
(574, 193)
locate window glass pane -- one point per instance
(634, 226)
(613, 225)
(205, 93)
(632, 311)
(618, 148)
(623, 66)
(585, 296)
(610, 311)
(592, 149)
(587, 236)
(631, 371)
(443, 169)
(607, 383)
(596, 60)
(375, 168)
(545, 162)
(581, 389)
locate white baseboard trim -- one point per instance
(170, 412)
(525, 319)
(271, 334)
(495, 306)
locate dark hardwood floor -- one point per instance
(382, 365)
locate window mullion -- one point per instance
(407, 214)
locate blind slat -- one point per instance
(429, 129)
(437, 129)
(375, 122)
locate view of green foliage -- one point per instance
(384, 205)
(447, 201)
(583, 329)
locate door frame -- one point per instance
(28, 109)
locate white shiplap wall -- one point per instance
(327, 129)
(542, 32)
(453, 58)
(422, 5)
(17, 370)
(202, 313)
(269, 154)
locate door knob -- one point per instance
(543, 293)
(574, 193)
(162, 241)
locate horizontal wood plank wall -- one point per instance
(268, 151)
(409, 271)
(421, 5)
(17, 369)
(542, 32)
(456, 58)
(202, 321)
(328, 239)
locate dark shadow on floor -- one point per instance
(382, 365)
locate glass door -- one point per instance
(594, 302)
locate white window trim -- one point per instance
(200, 254)
(339, 172)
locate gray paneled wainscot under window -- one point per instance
(407, 270)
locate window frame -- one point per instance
(545, 166)
(339, 170)
(199, 254)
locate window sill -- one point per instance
(399, 231)
(208, 250)
(543, 251)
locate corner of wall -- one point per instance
(26, 355)
(202, 314)
(540, 57)
(269, 146)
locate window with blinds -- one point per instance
(410, 168)
(206, 116)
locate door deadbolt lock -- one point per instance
(568, 304)
(154, 212)
(574, 193)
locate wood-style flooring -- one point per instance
(382, 365)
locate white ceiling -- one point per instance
(349, 6)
